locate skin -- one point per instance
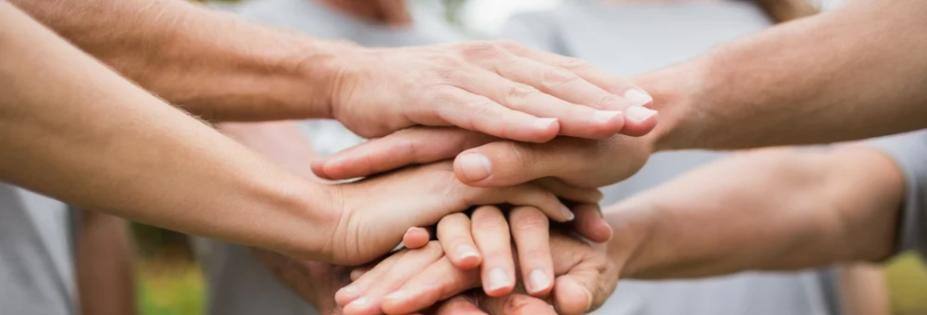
(283, 143)
(207, 63)
(581, 274)
(207, 184)
(784, 209)
(807, 81)
(104, 261)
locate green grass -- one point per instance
(907, 282)
(170, 289)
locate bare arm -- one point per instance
(75, 130)
(769, 209)
(852, 73)
(224, 68)
(105, 264)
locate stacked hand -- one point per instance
(574, 275)
(504, 105)
(497, 88)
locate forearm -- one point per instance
(105, 261)
(75, 130)
(211, 63)
(771, 209)
(847, 74)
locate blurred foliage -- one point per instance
(170, 288)
(907, 282)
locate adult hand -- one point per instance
(497, 88)
(374, 213)
(487, 162)
(365, 225)
(316, 282)
(417, 279)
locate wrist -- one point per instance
(309, 221)
(678, 93)
(327, 70)
(633, 226)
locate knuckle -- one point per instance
(557, 77)
(608, 101)
(528, 220)
(509, 45)
(573, 63)
(519, 94)
(482, 50)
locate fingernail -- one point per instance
(467, 252)
(539, 280)
(498, 279)
(475, 166)
(639, 113)
(347, 294)
(606, 116)
(545, 123)
(567, 213)
(361, 303)
(638, 97)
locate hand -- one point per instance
(416, 279)
(374, 213)
(365, 224)
(486, 162)
(316, 282)
(497, 88)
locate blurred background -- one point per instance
(170, 282)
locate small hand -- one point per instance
(497, 88)
(487, 162)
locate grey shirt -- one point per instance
(910, 154)
(36, 273)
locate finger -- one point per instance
(639, 119)
(459, 306)
(506, 163)
(370, 288)
(415, 237)
(454, 235)
(590, 224)
(479, 113)
(516, 304)
(438, 281)
(575, 120)
(402, 148)
(571, 297)
(570, 192)
(521, 195)
(492, 236)
(357, 273)
(530, 229)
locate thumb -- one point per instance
(506, 163)
(402, 148)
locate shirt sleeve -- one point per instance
(909, 151)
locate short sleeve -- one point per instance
(909, 151)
